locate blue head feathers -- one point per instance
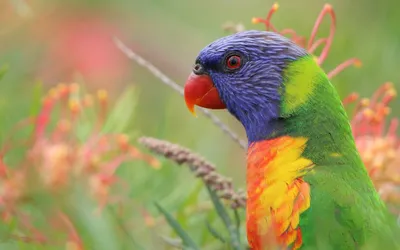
(246, 69)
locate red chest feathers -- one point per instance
(277, 194)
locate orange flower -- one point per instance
(377, 140)
(60, 153)
(312, 44)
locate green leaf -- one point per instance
(237, 220)
(122, 113)
(187, 242)
(3, 71)
(190, 200)
(6, 229)
(205, 235)
(223, 214)
(120, 223)
(99, 231)
(37, 94)
(215, 233)
(177, 243)
(194, 196)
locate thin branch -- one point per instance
(200, 167)
(167, 81)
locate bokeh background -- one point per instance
(50, 42)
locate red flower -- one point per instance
(59, 155)
(377, 140)
(312, 44)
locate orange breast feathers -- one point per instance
(277, 194)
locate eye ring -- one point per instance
(233, 62)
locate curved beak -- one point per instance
(200, 90)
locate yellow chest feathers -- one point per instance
(277, 194)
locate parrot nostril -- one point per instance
(198, 69)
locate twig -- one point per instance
(167, 81)
(200, 167)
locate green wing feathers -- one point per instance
(346, 211)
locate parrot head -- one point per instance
(243, 73)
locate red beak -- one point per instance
(200, 90)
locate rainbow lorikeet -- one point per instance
(306, 184)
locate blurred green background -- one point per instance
(69, 41)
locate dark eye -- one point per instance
(233, 62)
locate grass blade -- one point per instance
(237, 220)
(215, 233)
(187, 242)
(223, 214)
(121, 225)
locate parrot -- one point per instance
(307, 187)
